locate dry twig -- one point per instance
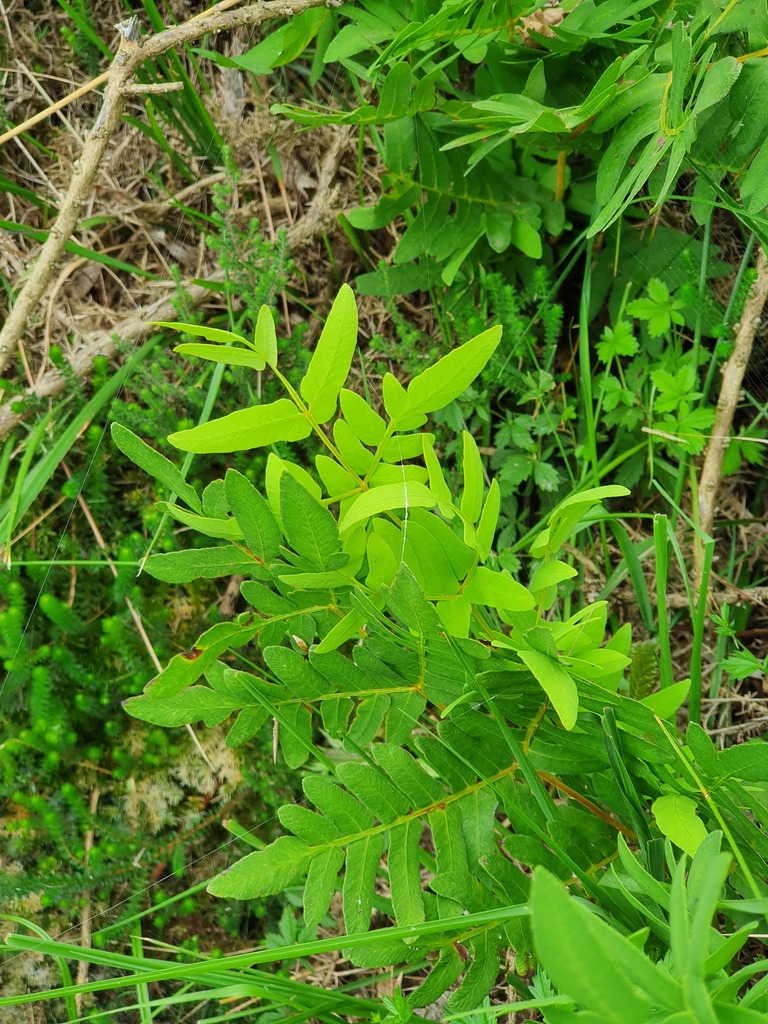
(320, 216)
(730, 388)
(132, 52)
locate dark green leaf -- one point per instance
(200, 563)
(309, 528)
(155, 464)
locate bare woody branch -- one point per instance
(131, 53)
(730, 388)
(319, 217)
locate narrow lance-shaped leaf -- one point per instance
(253, 515)
(363, 858)
(247, 428)
(227, 354)
(437, 483)
(265, 338)
(329, 367)
(207, 525)
(451, 376)
(200, 563)
(404, 876)
(321, 884)
(472, 468)
(155, 464)
(486, 528)
(214, 334)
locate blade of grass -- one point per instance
(80, 250)
(61, 963)
(156, 970)
(143, 1002)
(699, 621)
(633, 554)
(16, 500)
(585, 377)
(661, 549)
(34, 481)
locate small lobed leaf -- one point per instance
(677, 819)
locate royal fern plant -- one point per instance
(454, 731)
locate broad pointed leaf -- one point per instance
(329, 367)
(253, 515)
(451, 376)
(155, 464)
(245, 429)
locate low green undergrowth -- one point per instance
(469, 753)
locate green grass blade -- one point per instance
(661, 548)
(74, 249)
(33, 482)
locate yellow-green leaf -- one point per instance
(556, 683)
(450, 377)
(247, 428)
(498, 590)
(387, 498)
(214, 334)
(330, 363)
(265, 338)
(222, 354)
(677, 819)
